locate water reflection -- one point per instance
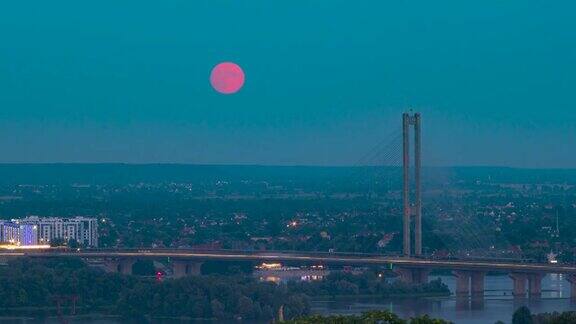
(498, 303)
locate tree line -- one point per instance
(367, 283)
(372, 317)
(35, 283)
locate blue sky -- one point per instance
(127, 81)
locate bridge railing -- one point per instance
(269, 252)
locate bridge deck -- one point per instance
(303, 257)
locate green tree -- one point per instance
(245, 307)
(73, 244)
(522, 316)
(217, 309)
(425, 319)
(380, 317)
(144, 268)
(297, 305)
(58, 241)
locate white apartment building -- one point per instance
(18, 234)
(82, 229)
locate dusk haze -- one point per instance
(128, 81)
(297, 162)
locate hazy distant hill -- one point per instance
(157, 173)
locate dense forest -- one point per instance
(523, 316)
(34, 284)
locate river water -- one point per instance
(498, 304)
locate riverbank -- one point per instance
(400, 295)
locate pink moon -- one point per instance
(227, 78)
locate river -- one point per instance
(498, 304)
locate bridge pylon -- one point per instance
(411, 120)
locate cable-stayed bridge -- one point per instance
(469, 274)
(413, 266)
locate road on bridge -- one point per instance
(304, 257)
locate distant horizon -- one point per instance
(275, 165)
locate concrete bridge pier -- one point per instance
(183, 268)
(535, 285)
(477, 283)
(120, 265)
(571, 278)
(469, 283)
(462, 303)
(462, 282)
(477, 303)
(415, 276)
(519, 284)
